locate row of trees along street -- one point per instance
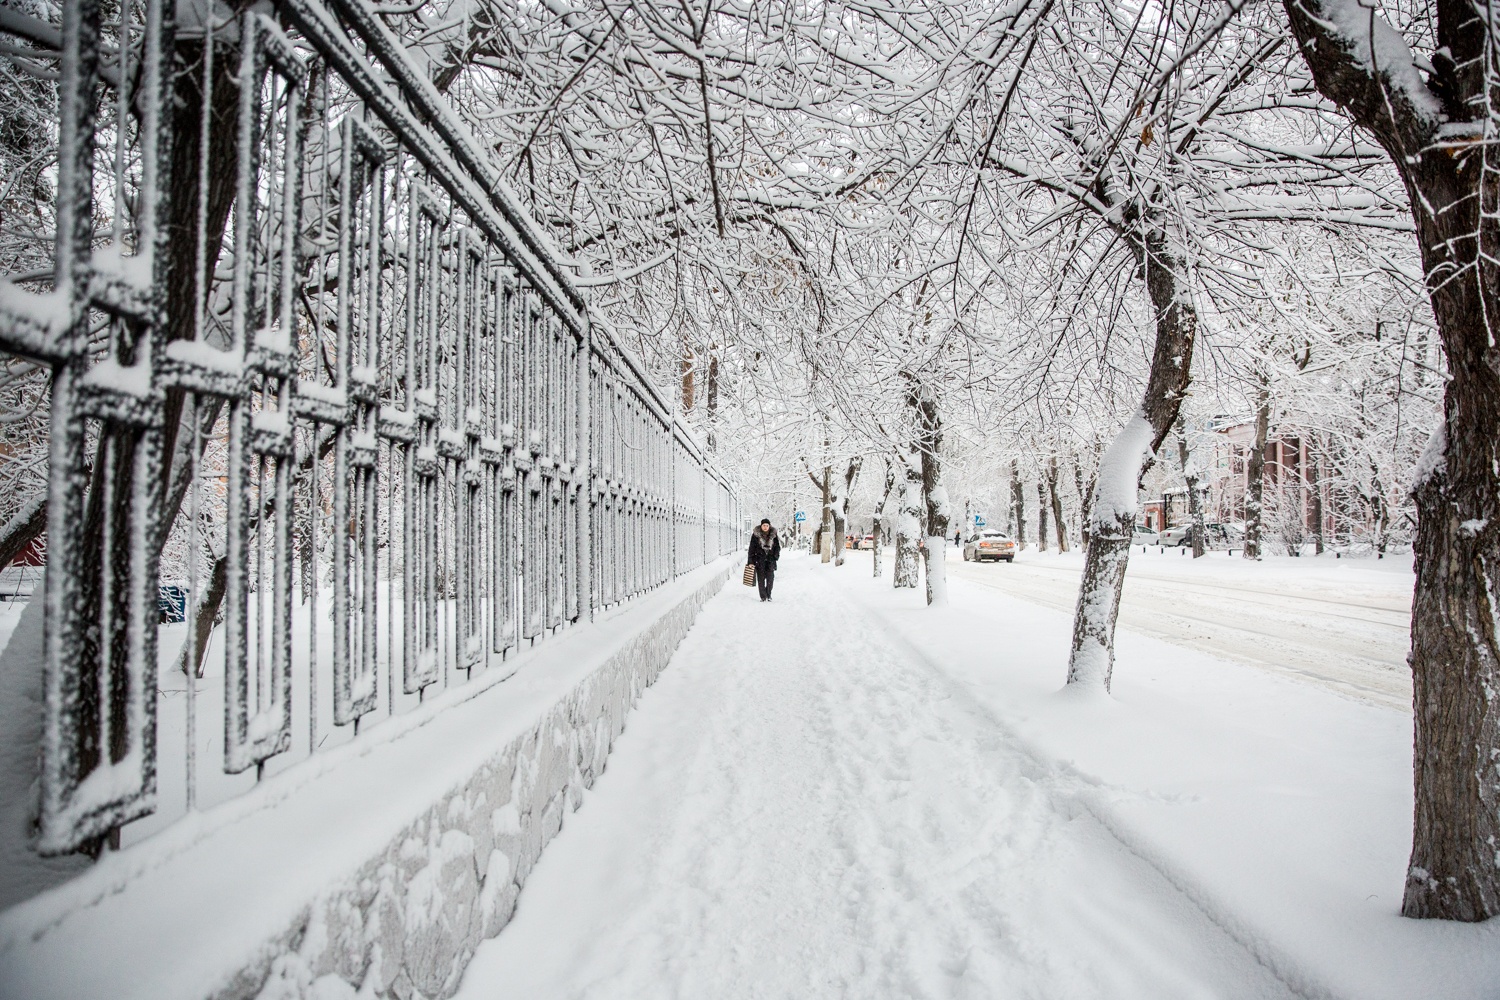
(1022, 256)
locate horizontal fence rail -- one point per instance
(321, 401)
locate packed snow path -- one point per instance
(800, 807)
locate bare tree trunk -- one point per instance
(1382, 521)
(208, 610)
(1092, 659)
(713, 398)
(1041, 515)
(1057, 508)
(1085, 495)
(825, 525)
(879, 526)
(934, 495)
(841, 509)
(1255, 474)
(1017, 504)
(1437, 134)
(907, 523)
(1194, 479)
(1315, 488)
(688, 369)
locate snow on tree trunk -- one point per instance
(825, 525)
(1085, 497)
(1441, 141)
(934, 494)
(1057, 508)
(841, 508)
(1041, 515)
(837, 511)
(1194, 479)
(823, 535)
(1017, 504)
(1255, 475)
(1315, 489)
(908, 526)
(879, 526)
(1381, 514)
(1114, 508)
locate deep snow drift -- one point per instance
(847, 794)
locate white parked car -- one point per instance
(1180, 534)
(990, 545)
(1216, 536)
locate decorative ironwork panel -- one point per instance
(361, 194)
(355, 412)
(98, 322)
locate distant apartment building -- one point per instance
(1295, 476)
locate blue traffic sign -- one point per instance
(978, 521)
(799, 516)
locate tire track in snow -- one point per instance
(1361, 657)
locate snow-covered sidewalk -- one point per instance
(804, 807)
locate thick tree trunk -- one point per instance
(1255, 478)
(1435, 133)
(825, 525)
(1382, 520)
(1057, 508)
(878, 532)
(1041, 515)
(1085, 494)
(1315, 490)
(1017, 504)
(712, 404)
(908, 525)
(208, 611)
(841, 509)
(934, 494)
(823, 536)
(689, 368)
(1194, 479)
(1092, 659)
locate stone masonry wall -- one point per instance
(408, 922)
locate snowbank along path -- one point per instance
(801, 808)
(1298, 618)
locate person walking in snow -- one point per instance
(765, 549)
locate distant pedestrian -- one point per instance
(765, 549)
(958, 534)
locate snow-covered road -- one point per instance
(1311, 626)
(802, 808)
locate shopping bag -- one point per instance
(749, 574)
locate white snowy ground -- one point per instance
(1341, 623)
(845, 794)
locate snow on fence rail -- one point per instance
(312, 361)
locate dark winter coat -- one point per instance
(764, 553)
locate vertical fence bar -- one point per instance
(393, 387)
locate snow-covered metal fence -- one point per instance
(313, 360)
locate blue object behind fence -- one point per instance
(171, 604)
